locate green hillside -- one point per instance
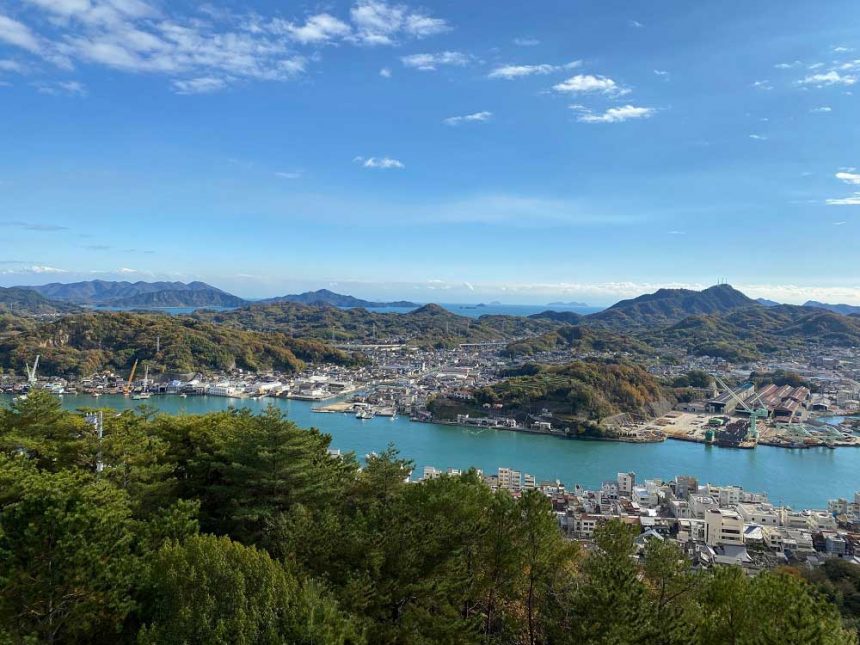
(84, 343)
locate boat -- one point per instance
(141, 396)
(364, 414)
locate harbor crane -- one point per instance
(755, 414)
(131, 378)
(31, 371)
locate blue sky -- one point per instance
(449, 151)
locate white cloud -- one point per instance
(379, 23)
(201, 52)
(468, 118)
(762, 85)
(202, 85)
(509, 72)
(18, 34)
(615, 115)
(295, 174)
(587, 83)
(848, 177)
(127, 270)
(791, 65)
(526, 42)
(320, 28)
(854, 200)
(661, 73)
(429, 62)
(822, 110)
(636, 24)
(60, 88)
(829, 78)
(842, 50)
(758, 137)
(11, 66)
(385, 72)
(382, 163)
(41, 268)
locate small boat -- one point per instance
(141, 396)
(183, 396)
(364, 414)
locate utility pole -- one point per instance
(96, 420)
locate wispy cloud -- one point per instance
(321, 28)
(614, 115)
(34, 226)
(827, 79)
(61, 88)
(295, 174)
(430, 62)
(20, 35)
(853, 200)
(11, 66)
(381, 163)
(821, 110)
(588, 83)
(510, 72)
(201, 85)
(758, 137)
(32, 269)
(379, 23)
(204, 51)
(385, 72)
(468, 118)
(849, 177)
(526, 42)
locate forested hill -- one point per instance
(427, 326)
(326, 297)
(748, 333)
(24, 302)
(185, 298)
(668, 306)
(235, 528)
(580, 339)
(123, 293)
(577, 395)
(81, 344)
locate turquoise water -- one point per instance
(800, 478)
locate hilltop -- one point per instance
(578, 340)
(845, 310)
(326, 297)
(137, 294)
(579, 394)
(84, 343)
(427, 326)
(668, 306)
(24, 302)
(746, 334)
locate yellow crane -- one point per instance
(131, 378)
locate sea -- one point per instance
(799, 478)
(472, 311)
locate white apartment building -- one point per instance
(626, 482)
(723, 527)
(761, 514)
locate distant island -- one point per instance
(59, 297)
(326, 297)
(572, 303)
